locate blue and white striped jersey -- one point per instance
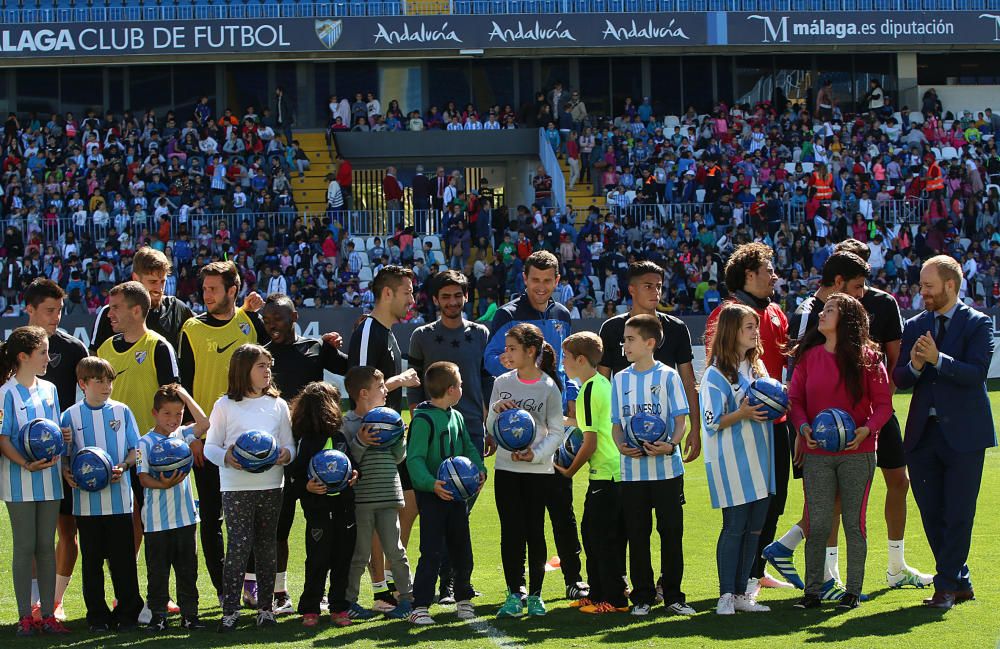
(166, 509)
(21, 405)
(657, 391)
(739, 459)
(113, 428)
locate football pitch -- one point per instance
(892, 618)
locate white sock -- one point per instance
(250, 576)
(62, 582)
(379, 586)
(831, 568)
(280, 582)
(792, 537)
(896, 559)
(34, 591)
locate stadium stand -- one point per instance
(81, 193)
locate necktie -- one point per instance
(942, 328)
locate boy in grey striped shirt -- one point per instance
(378, 496)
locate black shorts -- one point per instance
(404, 476)
(66, 504)
(289, 497)
(138, 491)
(890, 446)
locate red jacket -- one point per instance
(391, 188)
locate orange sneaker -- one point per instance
(340, 618)
(580, 603)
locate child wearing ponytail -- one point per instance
(32, 490)
(532, 384)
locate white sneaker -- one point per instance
(908, 577)
(681, 608)
(640, 610)
(421, 616)
(60, 612)
(725, 605)
(753, 587)
(145, 615)
(464, 610)
(747, 604)
(283, 605)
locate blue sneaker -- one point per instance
(359, 612)
(780, 558)
(402, 610)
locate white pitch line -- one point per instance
(495, 635)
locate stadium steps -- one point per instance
(310, 191)
(427, 7)
(581, 197)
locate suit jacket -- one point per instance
(957, 390)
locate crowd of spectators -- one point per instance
(680, 190)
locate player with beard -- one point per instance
(453, 338)
(298, 361)
(207, 343)
(167, 314)
(886, 328)
(44, 305)
(374, 345)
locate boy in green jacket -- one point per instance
(437, 432)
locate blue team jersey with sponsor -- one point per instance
(657, 391)
(113, 428)
(739, 459)
(21, 405)
(165, 509)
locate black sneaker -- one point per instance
(578, 590)
(266, 619)
(100, 628)
(447, 595)
(156, 624)
(849, 601)
(228, 622)
(192, 623)
(809, 601)
(127, 627)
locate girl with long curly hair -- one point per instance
(837, 365)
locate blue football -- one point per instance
(332, 468)
(256, 451)
(460, 477)
(769, 393)
(169, 455)
(41, 439)
(644, 427)
(386, 424)
(514, 430)
(567, 452)
(833, 429)
(92, 468)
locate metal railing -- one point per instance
(385, 223)
(70, 11)
(665, 215)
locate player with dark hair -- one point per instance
(374, 345)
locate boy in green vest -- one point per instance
(437, 433)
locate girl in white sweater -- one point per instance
(531, 385)
(251, 502)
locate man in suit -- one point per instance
(949, 427)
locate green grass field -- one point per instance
(890, 619)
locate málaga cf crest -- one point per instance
(329, 31)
